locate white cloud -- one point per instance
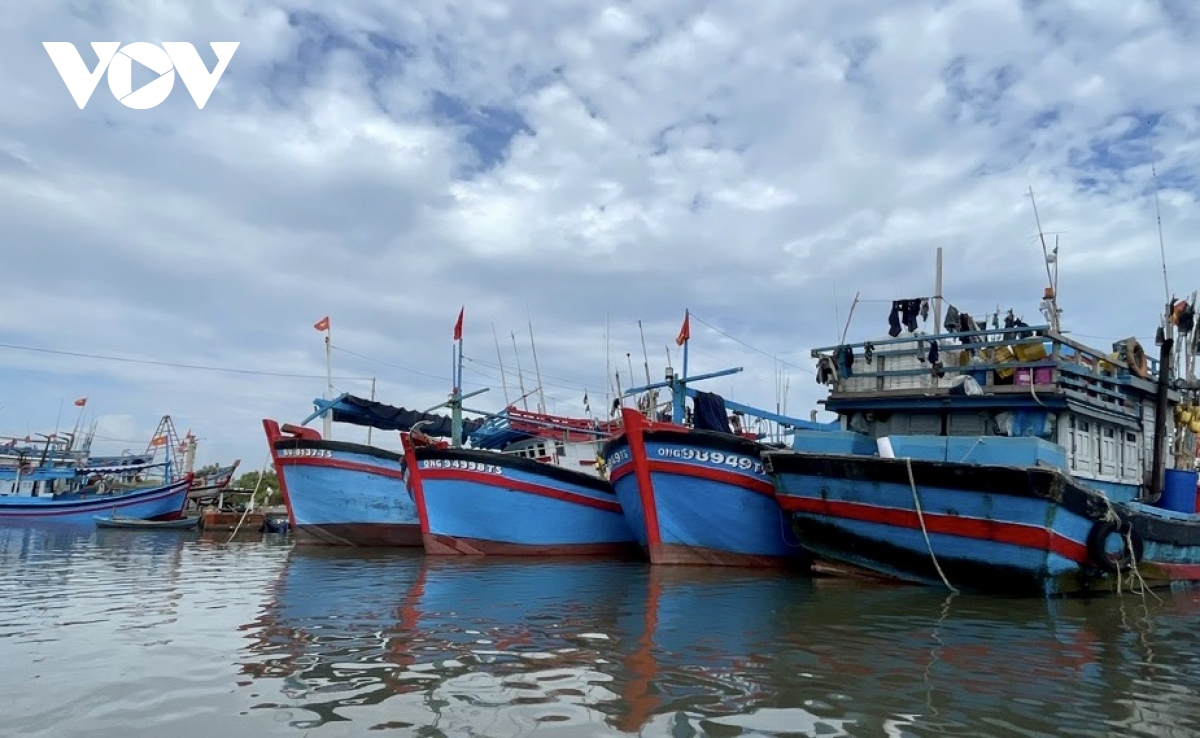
(579, 164)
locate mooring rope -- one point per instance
(1111, 516)
(925, 531)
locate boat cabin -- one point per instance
(572, 443)
(1019, 395)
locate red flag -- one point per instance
(158, 441)
(458, 324)
(81, 402)
(322, 324)
(686, 331)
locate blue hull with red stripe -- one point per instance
(156, 503)
(341, 493)
(699, 497)
(1004, 529)
(480, 502)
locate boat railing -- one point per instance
(1017, 359)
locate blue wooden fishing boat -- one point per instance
(37, 494)
(346, 493)
(528, 485)
(1006, 459)
(692, 484)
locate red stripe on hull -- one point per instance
(516, 485)
(339, 464)
(441, 545)
(359, 534)
(720, 476)
(674, 553)
(96, 504)
(1017, 534)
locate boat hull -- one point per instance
(699, 497)
(342, 494)
(158, 503)
(139, 524)
(1013, 530)
(483, 503)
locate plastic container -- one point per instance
(1179, 491)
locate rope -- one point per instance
(1110, 516)
(921, 517)
(978, 441)
(249, 507)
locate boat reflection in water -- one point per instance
(585, 647)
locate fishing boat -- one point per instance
(527, 485)
(1003, 458)
(342, 492)
(35, 493)
(120, 521)
(691, 482)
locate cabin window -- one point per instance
(560, 449)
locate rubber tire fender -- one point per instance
(1098, 552)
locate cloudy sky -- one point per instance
(581, 165)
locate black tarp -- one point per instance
(357, 411)
(709, 412)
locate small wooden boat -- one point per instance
(117, 521)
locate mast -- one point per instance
(1162, 249)
(1050, 302)
(629, 363)
(500, 360)
(1165, 353)
(608, 365)
(646, 364)
(326, 419)
(538, 372)
(520, 374)
(456, 396)
(369, 429)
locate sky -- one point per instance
(577, 167)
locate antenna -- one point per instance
(520, 374)
(500, 359)
(538, 371)
(1050, 301)
(1162, 249)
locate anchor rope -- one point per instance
(925, 531)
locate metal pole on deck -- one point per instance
(372, 400)
(937, 295)
(326, 420)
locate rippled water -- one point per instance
(135, 633)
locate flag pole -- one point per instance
(327, 416)
(679, 384)
(686, 340)
(457, 396)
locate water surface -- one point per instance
(140, 633)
